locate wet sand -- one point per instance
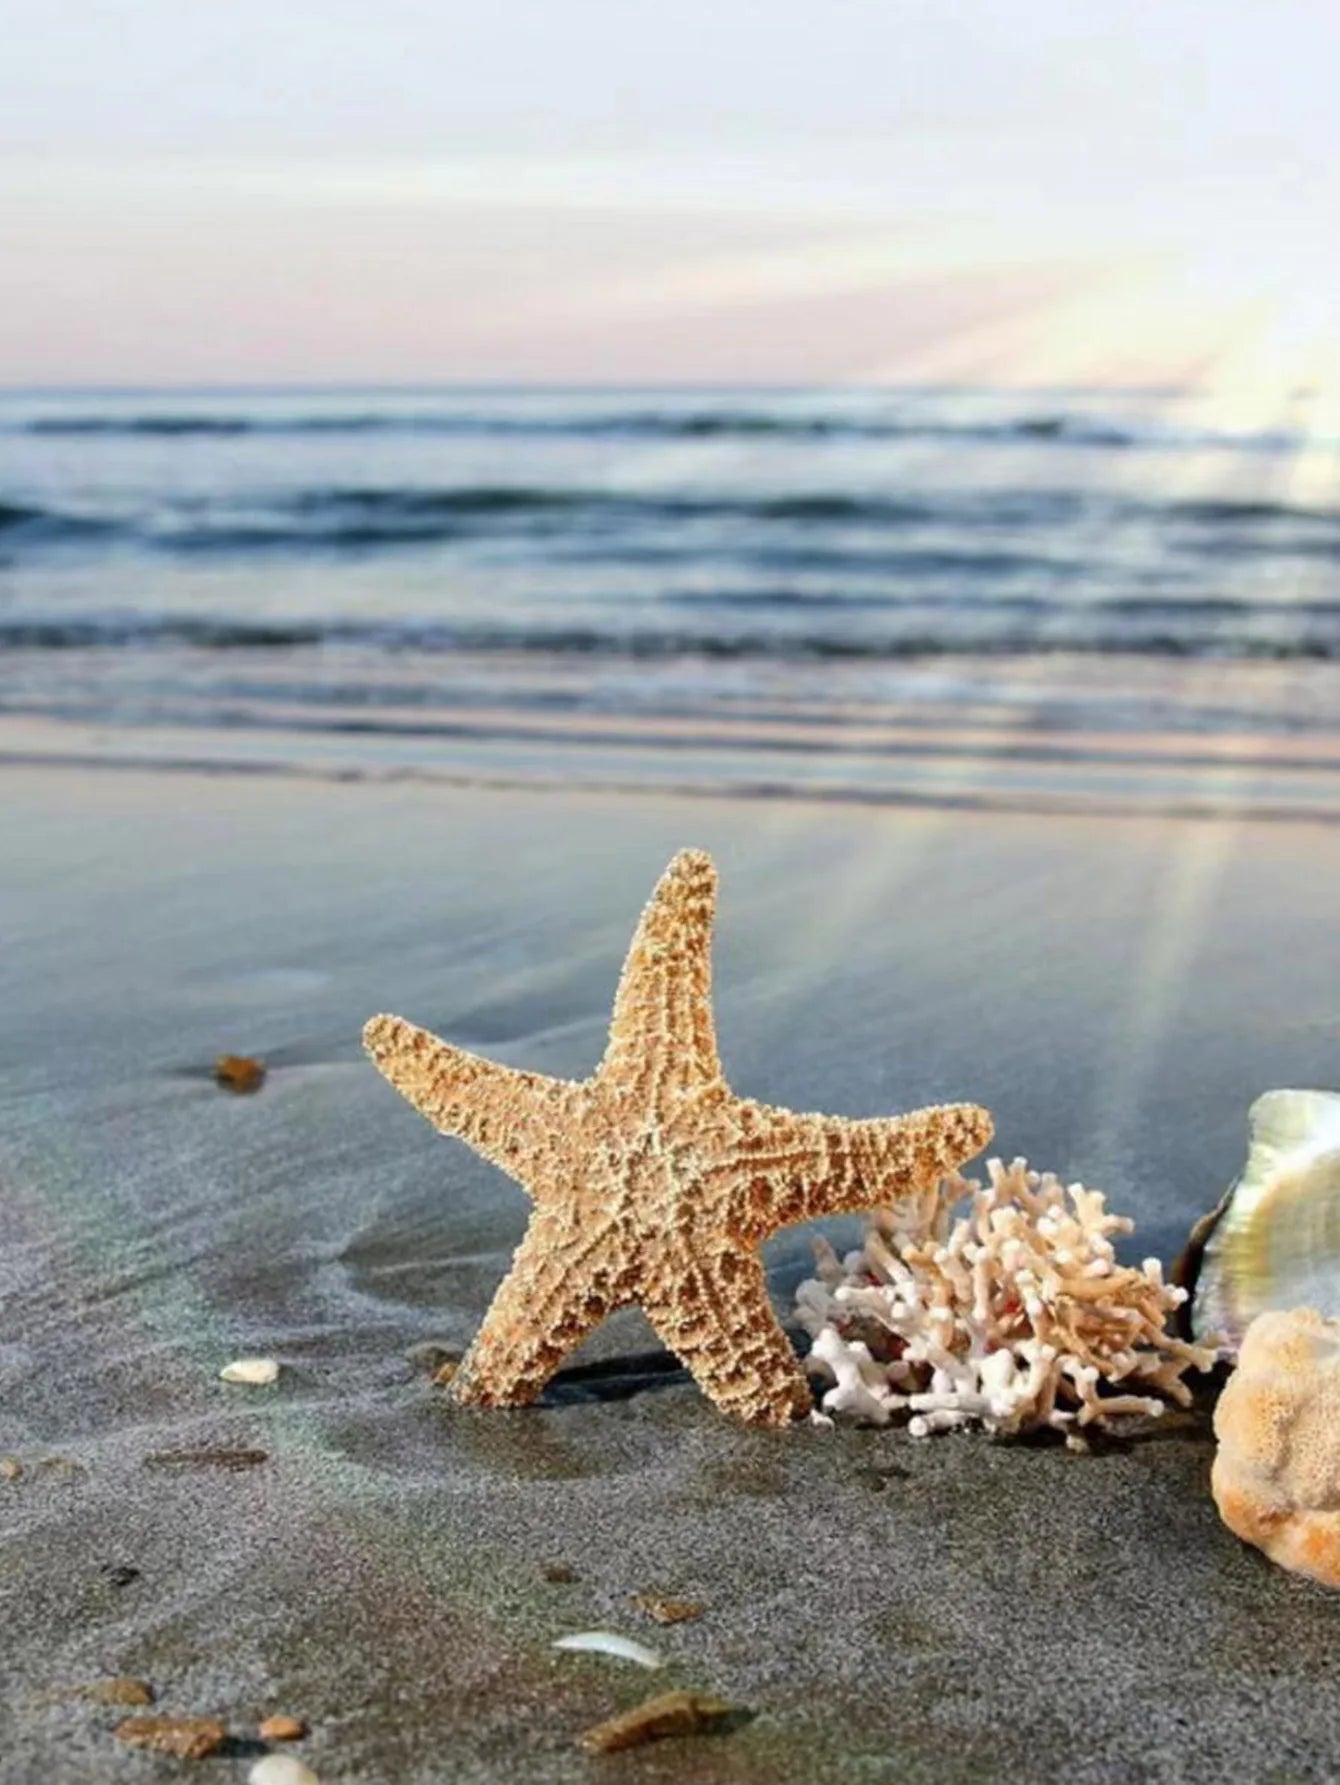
(1116, 990)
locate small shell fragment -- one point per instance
(282, 1728)
(668, 1611)
(185, 1738)
(670, 1713)
(281, 1769)
(10, 1468)
(608, 1642)
(257, 1372)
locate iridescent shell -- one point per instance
(1274, 1240)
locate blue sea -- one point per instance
(1090, 599)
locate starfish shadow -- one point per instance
(614, 1378)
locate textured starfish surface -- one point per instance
(652, 1182)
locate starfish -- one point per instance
(652, 1182)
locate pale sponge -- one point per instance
(1276, 1478)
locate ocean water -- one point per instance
(1092, 598)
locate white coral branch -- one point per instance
(1013, 1315)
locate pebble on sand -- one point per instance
(669, 1713)
(281, 1769)
(185, 1738)
(257, 1372)
(237, 1073)
(281, 1728)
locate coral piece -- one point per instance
(1014, 1315)
(652, 1182)
(669, 1713)
(1276, 1476)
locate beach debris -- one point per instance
(445, 1374)
(61, 1465)
(609, 1642)
(1276, 1475)
(119, 1574)
(10, 1468)
(239, 1074)
(669, 1713)
(281, 1769)
(122, 1691)
(282, 1728)
(185, 1738)
(215, 1457)
(1273, 1241)
(652, 1182)
(257, 1372)
(559, 1573)
(430, 1355)
(1012, 1315)
(668, 1611)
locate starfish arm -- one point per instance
(790, 1168)
(509, 1117)
(710, 1306)
(556, 1292)
(662, 1037)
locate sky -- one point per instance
(593, 191)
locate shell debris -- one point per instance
(668, 1611)
(184, 1738)
(256, 1372)
(670, 1713)
(609, 1642)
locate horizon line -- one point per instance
(392, 387)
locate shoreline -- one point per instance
(1135, 776)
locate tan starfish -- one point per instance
(652, 1182)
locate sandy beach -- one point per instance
(1116, 991)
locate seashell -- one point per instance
(1274, 1240)
(609, 1642)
